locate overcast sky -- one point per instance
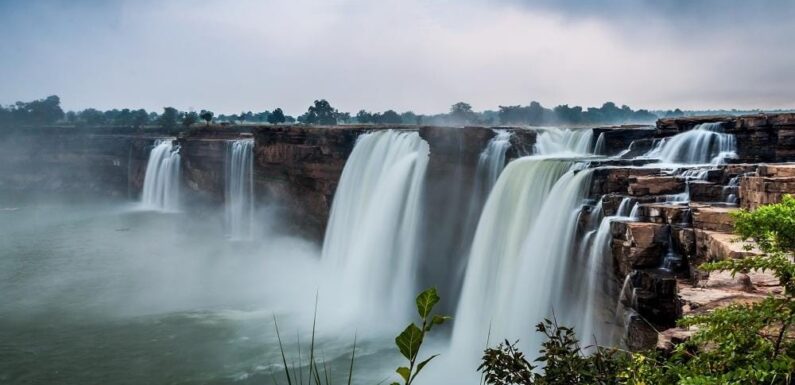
(420, 55)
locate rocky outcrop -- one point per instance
(637, 245)
(767, 185)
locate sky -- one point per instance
(420, 55)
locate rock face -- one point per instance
(299, 167)
(59, 160)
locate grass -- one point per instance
(294, 374)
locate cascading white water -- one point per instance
(239, 189)
(564, 141)
(706, 143)
(492, 161)
(595, 247)
(161, 189)
(370, 246)
(518, 255)
(600, 147)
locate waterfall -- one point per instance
(492, 161)
(239, 189)
(600, 148)
(706, 143)
(370, 247)
(520, 253)
(163, 177)
(564, 141)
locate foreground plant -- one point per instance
(411, 339)
(294, 374)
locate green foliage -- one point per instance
(168, 119)
(42, 111)
(207, 116)
(321, 112)
(772, 227)
(565, 362)
(410, 340)
(189, 118)
(276, 117)
(461, 113)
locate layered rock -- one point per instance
(768, 185)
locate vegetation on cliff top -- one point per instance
(48, 111)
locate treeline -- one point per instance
(49, 111)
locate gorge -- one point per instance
(604, 227)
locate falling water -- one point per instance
(370, 246)
(518, 256)
(704, 144)
(729, 191)
(600, 147)
(239, 189)
(564, 141)
(163, 177)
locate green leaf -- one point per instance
(437, 319)
(426, 301)
(409, 341)
(423, 363)
(404, 372)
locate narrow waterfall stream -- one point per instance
(162, 181)
(239, 189)
(706, 143)
(371, 243)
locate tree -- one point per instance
(461, 113)
(364, 117)
(207, 116)
(276, 117)
(189, 118)
(139, 118)
(42, 111)
(409, 117)
(390, 117)
(168, 119)
(321, 112)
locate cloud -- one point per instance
(420, 55)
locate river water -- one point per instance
(103, 292)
